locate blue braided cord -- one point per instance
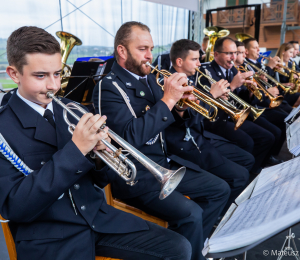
(13, 158)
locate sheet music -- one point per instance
(293, 113)
(273, 206)
(293, 137)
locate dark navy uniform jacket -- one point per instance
(43, 223)
(207, 156)
(153, 117)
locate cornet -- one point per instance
(238, 116)
(261, 72)
(255, 111)
(118, 162)
(275, 101)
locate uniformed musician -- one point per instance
(53, 199)
(139, 111)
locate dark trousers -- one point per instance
(276, 116)
(193, 218)
(234, 170)
(250, 137)
(153, 244)
(291, 99)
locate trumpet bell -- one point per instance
(275, 102)
(240, 116)
(242, 36)
(256, 112)
(170, 180)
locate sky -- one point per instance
(95, 22)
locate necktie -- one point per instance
(49, 116)
(144, 81)
(227, 76)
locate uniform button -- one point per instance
(181, 149)
(83, 207)
(112, 73)
(93, 226)
(42, 162)
(78, 172)
(224, 120)
(143, 112)
(165, 118)
(76, 186)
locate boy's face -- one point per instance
(189, 64)
(40, 75)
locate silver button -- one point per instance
(224, 120)
(181, 149)
(79, 171)
(42, 162)
(93, 226)
(83, 207)
(112, 73)
(76, 186)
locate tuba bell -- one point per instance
(242, 36)
(68, 41)
(213, 32)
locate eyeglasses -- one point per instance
(228, 53)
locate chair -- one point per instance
(118, 204)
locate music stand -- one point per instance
(81, 83)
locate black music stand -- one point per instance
(81, 83)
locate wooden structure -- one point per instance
(243, 19)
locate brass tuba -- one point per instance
(293, 80)
(68, 41)
(242, 36)
(118, 162)
(256, 112)
(213, 32)
(238, 116)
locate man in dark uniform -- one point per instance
(53, 199)
(139, 111)
(189, 140)
(276, 115)
(249, 136)
(296, 52)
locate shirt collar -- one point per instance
(35, 106)
(254, 61)
(224, 70)
(134, 75)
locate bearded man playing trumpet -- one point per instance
(139, 111)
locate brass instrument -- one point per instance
(274, 101)
(261, 72)
(251, 88)
(242, 36)
(256, 112)
(294, 80)
(213, 32)
(238, 116)
(118, 162)
(68, 41)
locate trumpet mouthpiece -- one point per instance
(50, 94)
(148, 64)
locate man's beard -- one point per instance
(135, 67)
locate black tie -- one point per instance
(144, 81)
(49, 116)
(227, 76)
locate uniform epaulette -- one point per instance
(2, 108)
(110, 75)
(205, 64)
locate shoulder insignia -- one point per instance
(128, 84)
(219, 73)
(109, 77)
(203, 66)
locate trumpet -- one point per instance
(261, 72)
(275, 101)
(118, 162)
(238, 116)
(256, 112)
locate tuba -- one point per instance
(213, 32)
(293, 80)
(238, 116)
(256, 112)
(68, 41)
(118, 162)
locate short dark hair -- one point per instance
(26, 40)
(247, 42)
(205, 39)
(239, 44)
(219, 43)
(123, 34)
(293, 42)
(181, 48)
